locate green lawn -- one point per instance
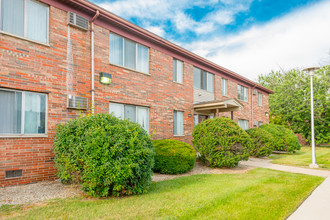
(304, 157)
(259, 194)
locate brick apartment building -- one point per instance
(52, 56)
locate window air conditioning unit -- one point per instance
(78, 21)
(255, 92)
(255, 123)
(77, 102)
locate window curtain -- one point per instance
(37, 21)
(245, 92)
(260, 99)
(239, 92)
(130, 54)
(224, 87)
(142, 59)
(195, 119)
(117, 110)
(116, 49)
(179, 67)
(130, 112)
(35, 113)
(12, 16)
(197, 78)
(178, 123)
(142, 117)
(174, 70)
(203, 80)
(10, 112)
(210, 82)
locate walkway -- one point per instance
(316, 206)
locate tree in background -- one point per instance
(290, 103)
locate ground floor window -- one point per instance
(134, 113)
(178, 123)
(22, 112)
(259, 123)
(244, 124)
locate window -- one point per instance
(178, 123)
(195, 119)
(203, 80)
(259, 99)
(259, 123)
(224, 87)
(22, 112)
(127, 53)
(244, 124)
(242, 93)
(25, 18)
(134, 113)
(177, 71)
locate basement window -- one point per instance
(13, 173)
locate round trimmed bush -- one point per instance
(108, 156)
(221, 142)
(173, 156)
(263, 142)
(284, 138)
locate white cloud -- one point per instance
(156, 30)
(300, 39)
(174, 11)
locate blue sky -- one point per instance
(250, 37)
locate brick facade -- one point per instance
(30, 66)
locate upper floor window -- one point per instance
(134, 113)
(244, 124)
(25, 18)
(177, 71)
(22, 113)
(242, 93)
(259, 99)
(127, 53)
(203, 80)
(224, 87)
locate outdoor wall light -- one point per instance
(105, 78)
(266, 113)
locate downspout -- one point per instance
(252, 89)
(92, 58)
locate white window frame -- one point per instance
(25, 25)
(175, 79)
(23, 116)
(208, 74)
(136, 112)
(245, 93)
(176, 133)
(224, 86)
(136, 54)
(243, 123)
(259, 99)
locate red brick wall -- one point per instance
(29, 66)
(258, 113)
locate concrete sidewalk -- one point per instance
(317, 205)
(266, 163)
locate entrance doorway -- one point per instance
(202, 118)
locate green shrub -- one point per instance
(263, 142)
(284, 138)
(221, 142)
(108, 156)
(173, 156)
